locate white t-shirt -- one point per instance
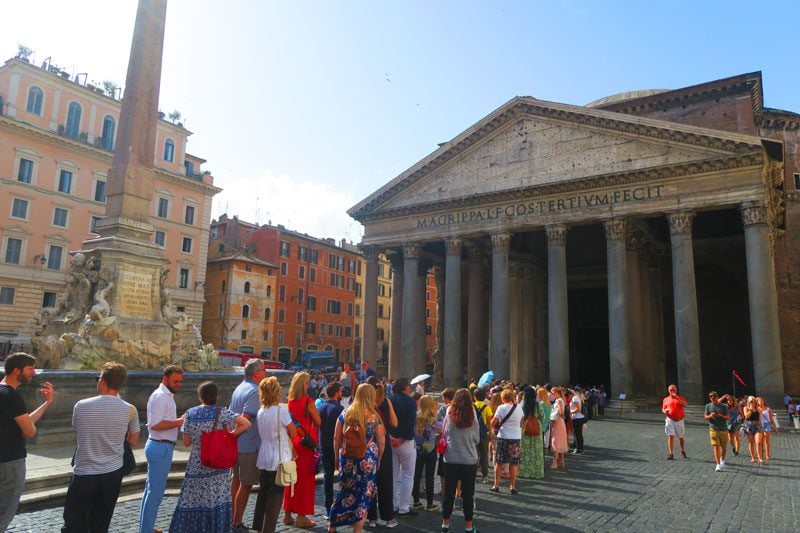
(510, 429)
(270, 432)
(575, 401)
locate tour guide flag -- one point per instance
(739, 378)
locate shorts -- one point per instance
(734, 428)
(674, 428)
(751, 427)
(507, 451)
(245, 470)
(718, 437)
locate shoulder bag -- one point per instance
(532, 426)
(219, 448)
(128, 460)
(286, 475)
(441, 446)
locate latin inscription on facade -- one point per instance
(540, 207)
(135, 295)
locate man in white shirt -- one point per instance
(162, 424)
(102, 424)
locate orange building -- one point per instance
(316, 289)
(240, 299)
(56, 143)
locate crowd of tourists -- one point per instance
(386, 441)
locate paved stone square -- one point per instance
(622, 483)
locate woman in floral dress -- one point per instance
(531, 465)
(205, 500)
(357, 476)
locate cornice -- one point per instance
(687, 95)
(577, 185)
(778, 119)
(59, 141)
(521, 107)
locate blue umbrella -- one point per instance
(486, 378)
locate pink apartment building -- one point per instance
(56, 142)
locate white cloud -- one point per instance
(316, 208)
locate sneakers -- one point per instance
(722, 463)
(718, 468)
(372, 524)
(417, 505)
(670, 457)
(241, 528)
(432, 507)
(391, 524)
(410, 512)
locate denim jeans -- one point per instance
(159, 462)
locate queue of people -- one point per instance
(387, 448)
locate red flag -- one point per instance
(739, 378)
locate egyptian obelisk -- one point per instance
(125, 246)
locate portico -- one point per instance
(568, 239)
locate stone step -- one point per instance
(51, 490)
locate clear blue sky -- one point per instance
(303, 108)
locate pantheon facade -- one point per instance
(642, 239)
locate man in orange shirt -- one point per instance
(672, 407)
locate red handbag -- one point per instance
(219, 448)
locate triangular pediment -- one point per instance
(528, 143)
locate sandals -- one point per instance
(304, 523)
(288, 520)
(495, 489)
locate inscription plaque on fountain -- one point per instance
(135, 295)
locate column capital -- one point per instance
(370, 252)
(615, 229)
(634, 240)
(556, 234)
(411, 250)
(453, 245)
(754, 214)
(500, 242)
(680, 222)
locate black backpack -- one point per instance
(482, 430)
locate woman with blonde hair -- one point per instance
(752, 428)
(427, 431)
(494, 402)
(768, 424)
(307, 421)
(559, 444)
(357, 475)
(544, 408)
(275, 429)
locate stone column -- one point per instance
(657, 310)
(396, 325)
(476, 314)
(687, 327)
(411, 307)
(557, 310)
(499, 358)
(632, 243)
(645, 299)
(370, 332)
(420, 328)
(439, 279)
(618, 323)
(528, 333)
(452, 314)
(763, 298)
(516, 322)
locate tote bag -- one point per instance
(218, 447)
(286, 475)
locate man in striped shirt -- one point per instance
(102, 423)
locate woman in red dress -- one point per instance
(305, 415)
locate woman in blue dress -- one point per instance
(205, 500)
(357, 476)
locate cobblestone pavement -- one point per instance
(622, 483)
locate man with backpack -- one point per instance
(484, 414)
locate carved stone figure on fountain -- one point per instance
(177, 319)
(101, 310)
